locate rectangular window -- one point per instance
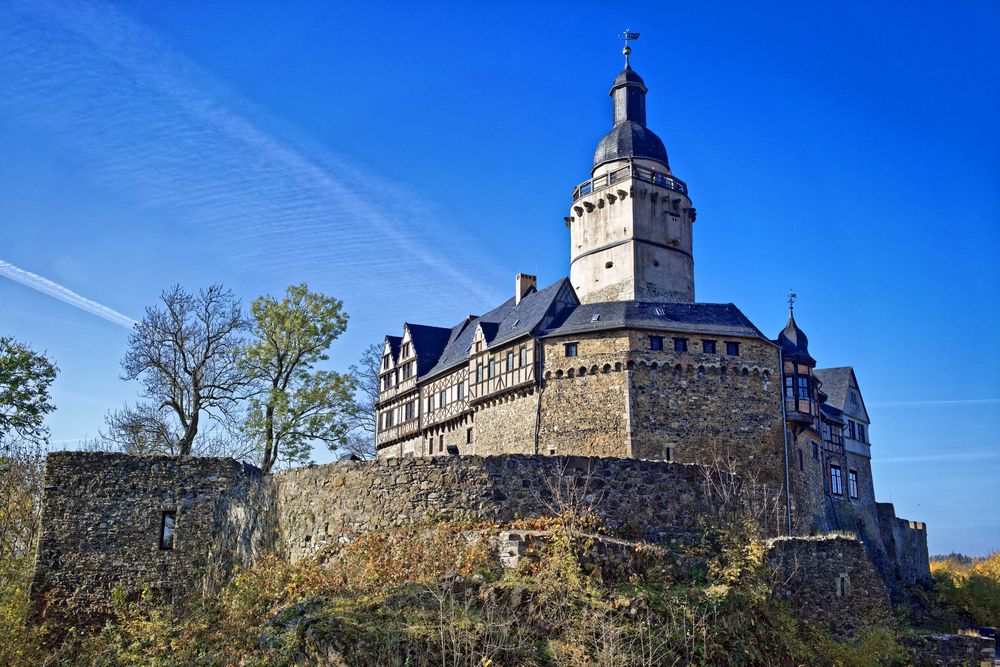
(803, 385)
(430, 404)
(851, 432)
(801, 467)
(406, 351)
(852, 483)
(468, 436)
(408, 410)
(788, 387)
(523, 361)
(430, 445)
(733, 349)
(570, 349)
(815, 452)
(491, 369)
(479, 372)
(407, 370)
(385, 361)
(836, 481)
(510, 361)
(708, 346)
(656, 342)
(680, 345)
(167, 529)
(443, 398)
(461, 391)
(861, 433)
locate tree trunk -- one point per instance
(270, 451)
(187, 442)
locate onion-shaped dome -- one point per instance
(629, 137)
(794, 343)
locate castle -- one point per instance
(619, 360)
(615, 376)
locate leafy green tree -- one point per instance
(25, 377)
(187, 354)
(296, 404)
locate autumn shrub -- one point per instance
(969, 589)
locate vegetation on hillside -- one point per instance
(967, 590)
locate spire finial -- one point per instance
(627, 35)
(791, 301)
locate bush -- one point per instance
(969, 589)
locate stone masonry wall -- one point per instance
(952, 651)
(906, 543)
(585, 409)
(708, 406)
(505, 426)
(322, 505)
(829, 580)
(101, 524)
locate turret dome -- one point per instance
(794, 343)
(629, 137)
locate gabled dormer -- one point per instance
(389, 363)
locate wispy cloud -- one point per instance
(936, 403)
(46, 286)
(942, 456)
(148, 122)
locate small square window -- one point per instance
(656, 342)
(708, 346)
(680, 345)
(167, 530)
(571, 349)
(733, 349)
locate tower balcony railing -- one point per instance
(633, 171)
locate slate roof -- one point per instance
(794, 343)
(836, 383)
(394, 343)
(504, 323)
(723, 319)
(831, 412)
(630, 139)
(428, 343)
(556, 311)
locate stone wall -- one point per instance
(906, 543)
(952, 651)
(101, 522)
(505, 425)
(322, 505)
(585, 407)
(829, 580)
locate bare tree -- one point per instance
(185, 352)
(142, 430)
(361, 441)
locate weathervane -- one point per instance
(791, 300)
(627, 35)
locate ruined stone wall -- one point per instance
(906, 543)
(505, 425)
(101, 523)
(585, 409)
(829, 580)
(952, 651)
(322, 505)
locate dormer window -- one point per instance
(406, 351)
(385, 361)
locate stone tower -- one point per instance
(630, 224)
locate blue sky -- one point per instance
(411, 158)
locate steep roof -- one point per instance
(394, 343)
(504, 323)
(723, 319)
(428, 343)
(794, 342)
(837, 385)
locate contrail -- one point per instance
(46, 286)
(150, 123)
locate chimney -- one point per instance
(522, 284)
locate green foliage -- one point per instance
(296, 403)
(969, 589)
(25, 377)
